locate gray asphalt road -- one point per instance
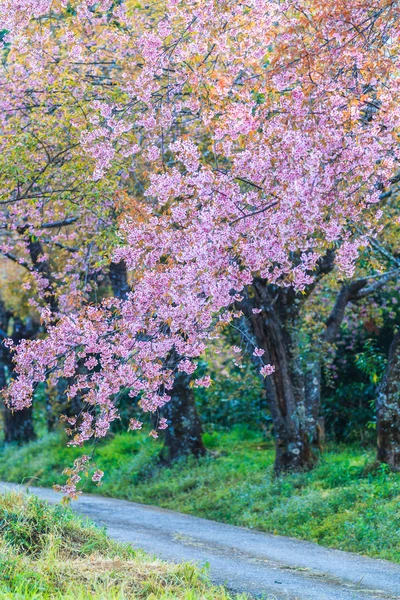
(243, 560)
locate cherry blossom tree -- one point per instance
(57, 223)
(270, 128)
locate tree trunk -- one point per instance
(183, 435)
(18, 425)
(388, 410)
(294, 389)
(315, 419)
(119, 279)
(294, 417)
(59, 404)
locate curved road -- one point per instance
(243, 560)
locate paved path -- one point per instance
(244, 560)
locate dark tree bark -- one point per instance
(119, 279)
(295, 417)
(59, 404)
(43, 267)
(184, 433)
(18, 425)
(388, 410)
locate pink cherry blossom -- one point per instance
(135, 424)
(258, 352)
(98, 476)
(203, 382)
(267, 370)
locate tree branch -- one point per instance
(61, 223)
(351, 292)
(16, 260)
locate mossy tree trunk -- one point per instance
(293, 395)
(388, 410)
(294, 389)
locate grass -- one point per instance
(50, 553)
(346, 502)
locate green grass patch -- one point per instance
(51, 553)
(346, 502)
